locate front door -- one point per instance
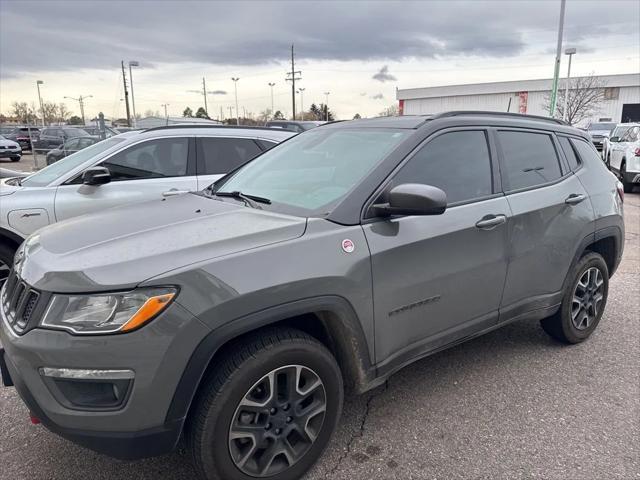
(149, 170)
(440, 278)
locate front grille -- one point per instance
(19, 301)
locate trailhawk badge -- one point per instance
(348, 246)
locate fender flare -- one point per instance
(347, 329)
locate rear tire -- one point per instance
(240, 421)
(15, 159)
(627, 186)
(583, 303)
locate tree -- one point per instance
(390, 111)
(63, 112)
(585, 96)
(320, 112)
(278, 115)
(357, 116)
(24, 113)
(187, 112)
(74, 120)
(201, 113)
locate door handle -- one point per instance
(574, 199)
(174, 192)
(489, 222)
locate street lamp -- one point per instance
(271, 84)
(301, 90)
(133, 63)
(80, 101)
(166, 115)
(38, 83)
(326, 106)
(570, 52)
(235, 84)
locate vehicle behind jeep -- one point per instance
(239, 315)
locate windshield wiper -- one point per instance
(250, 200)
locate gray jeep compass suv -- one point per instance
(237, 316)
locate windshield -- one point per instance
(602, 126)
(310, 173)
(62, 167)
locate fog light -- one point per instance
(88, 389)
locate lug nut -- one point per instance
(277, 431)
(272, 411)
(286, 407)
(267, 426)
(289, 419)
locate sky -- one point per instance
(358, 51)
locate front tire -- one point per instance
(268, 410)
(15, 159)
(585, 297)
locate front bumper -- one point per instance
(7, 153)
(157, 353)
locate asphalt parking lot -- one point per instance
(512, 404)
(26, 163)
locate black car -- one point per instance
(23, 135)
(70, 146)
(52, 137)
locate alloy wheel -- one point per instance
(587, 297)
(277, 421)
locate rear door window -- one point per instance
(530, 159)
(222, 155)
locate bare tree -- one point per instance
(50, 112)
(23, 113)
(585, 96)
(391, 111)
(63, 112)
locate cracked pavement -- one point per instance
(512, 404)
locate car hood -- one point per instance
(8, 143)
(121, 247)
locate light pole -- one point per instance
(133, 63)
(326, 106)
(272, 84)
(556, 70)
(301, 90)
(570, 52)
(166, 115)
(38, 83)
(235, 85)
(80, 100)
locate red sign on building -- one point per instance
(524, 96)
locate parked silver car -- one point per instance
(127, 168)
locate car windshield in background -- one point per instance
(310, 173)
(602, 126)
(54, 171)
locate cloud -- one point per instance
(218, 92)
(95, 34)
(377, 96)
(383, 75)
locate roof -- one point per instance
(213, 130)
(624, 80)
(404, 121)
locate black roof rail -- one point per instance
(523, 116)
(199, 125)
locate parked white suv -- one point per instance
(131, 167)
(624, 155)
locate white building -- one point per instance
(151, 122)
(622, 98)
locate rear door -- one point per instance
(439, 278)
(217, 156)
(551, 216)
(151, 169)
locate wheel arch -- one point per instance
(330, 319)
(10, 238)
(607, 242)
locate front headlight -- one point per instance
(107, 312)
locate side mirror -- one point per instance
(614, 139)
(96, 176)
(413, 199)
